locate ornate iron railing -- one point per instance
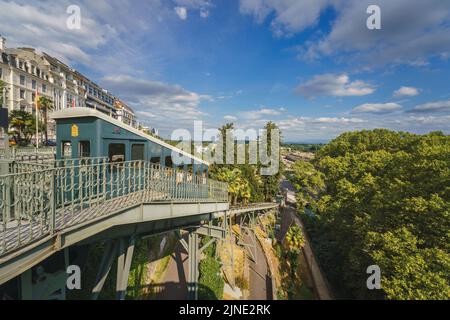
(28, 153)
(37, 203)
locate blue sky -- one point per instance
(311, 66)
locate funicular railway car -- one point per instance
(85, 132)
(121, 160)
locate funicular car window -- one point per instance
(116, 152)
(66, 149)
(84, 149)
(137, 152)
(169, 162)
(155, 160)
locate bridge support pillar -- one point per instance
(193, 259)
(26, 287)
(124, 258)
(122, 249)
(104, 268)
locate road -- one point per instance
(289, 217)
(260, 284)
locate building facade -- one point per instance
(125, 113)
(25, 73)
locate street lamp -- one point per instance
(4, 121)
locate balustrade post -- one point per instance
(53, 202)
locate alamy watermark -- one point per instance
(73, 21)
(73, 281)
(234, 146)
(374, 280)
(374, 20)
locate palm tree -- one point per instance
(45, 105)
(22, 124)
(294, 239)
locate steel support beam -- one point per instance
(26, 285)
(105, 266)
(193, 259)
(125, 255)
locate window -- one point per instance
(168, 161)
(137, 152)
(66, 149)
(116, 152)
(1, 73)
(22, 94)
(155, 160)
(44, 88)
(33, 84)
(33, 97)
(84, 149)
(22, 80)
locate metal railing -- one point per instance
(37, 203)
(28, 153)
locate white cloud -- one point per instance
(406, 92)
(401, 40)
(334, 85)
(338, 120)
(289, 16)
(166, 106)
(204, 13)
(318, 129)
(432, 107)
(258, 114)
(203, 6)
(44, 28)
(181, 12)
(230, 118)
(377, 108)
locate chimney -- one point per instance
(2, 43)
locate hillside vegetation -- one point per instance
(380, 198)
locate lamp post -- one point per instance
(4, 125)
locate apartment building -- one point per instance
(125, 113)
(26, 72)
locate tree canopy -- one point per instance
(381, 197)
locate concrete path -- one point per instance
(173, 283)
(260, 283)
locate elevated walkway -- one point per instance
(49, 206)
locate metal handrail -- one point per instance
(38, 203)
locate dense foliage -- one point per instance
(23, 126)
(245, 182)
(304, 147)
(211, 283)
(382, 198)
(294, 239)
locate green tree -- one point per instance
(271, 182)
(22, 126)
(382, 190)
(409, 272)
(309, 183)
(294, 239)
(45, 106)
